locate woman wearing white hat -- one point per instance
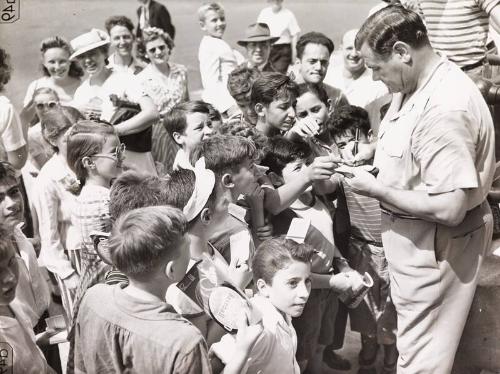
(92, 98)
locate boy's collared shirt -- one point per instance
(134, 67)
(149, 336)
(32, 292)
(275, 348)
(27, 357)
(217, 59)
(282, 24)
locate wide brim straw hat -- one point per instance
(93, 39)
(257, 32)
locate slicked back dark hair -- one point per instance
(272, 86)
(313, 37)
(389, 25)
(119, 21)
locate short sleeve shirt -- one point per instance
(217, 60)
(458, 28)
(440, 140)
(282, 24)
(94, 99)
(11, 132)
(275, 348)
(146, 336)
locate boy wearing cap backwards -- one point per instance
(205, 208)
(135, 330)
(257, 42)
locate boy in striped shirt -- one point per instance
(375, 317)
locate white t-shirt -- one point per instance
(11, 131)
(359, 92)
(282, 24)
(217, 59)
(94, 99)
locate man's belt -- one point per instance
(398, 215)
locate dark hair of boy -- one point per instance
(240, 81)
(7, 173)
(144, 239)
(348, 118)
(224, 153)
(316, 89)
(246, 130)
(5, 68)
(282, 151)
(175, 120)
(179, 188)
(313, 37)
(277, 253)
(6, 241)
(119, 21)
(132, 190)
(213, 114)
(56, 121)
(272, 86)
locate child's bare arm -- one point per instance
(245, 340)
(281, 198)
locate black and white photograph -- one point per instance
(249, 186)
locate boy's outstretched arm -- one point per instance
(281, 198)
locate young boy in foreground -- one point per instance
(136, 330)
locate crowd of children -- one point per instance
(143, 202)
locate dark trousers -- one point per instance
(281, 57)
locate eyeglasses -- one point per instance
(161, 48)
(50, 105)
(117, 155)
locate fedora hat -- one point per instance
(95, 38)
(257, 32)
